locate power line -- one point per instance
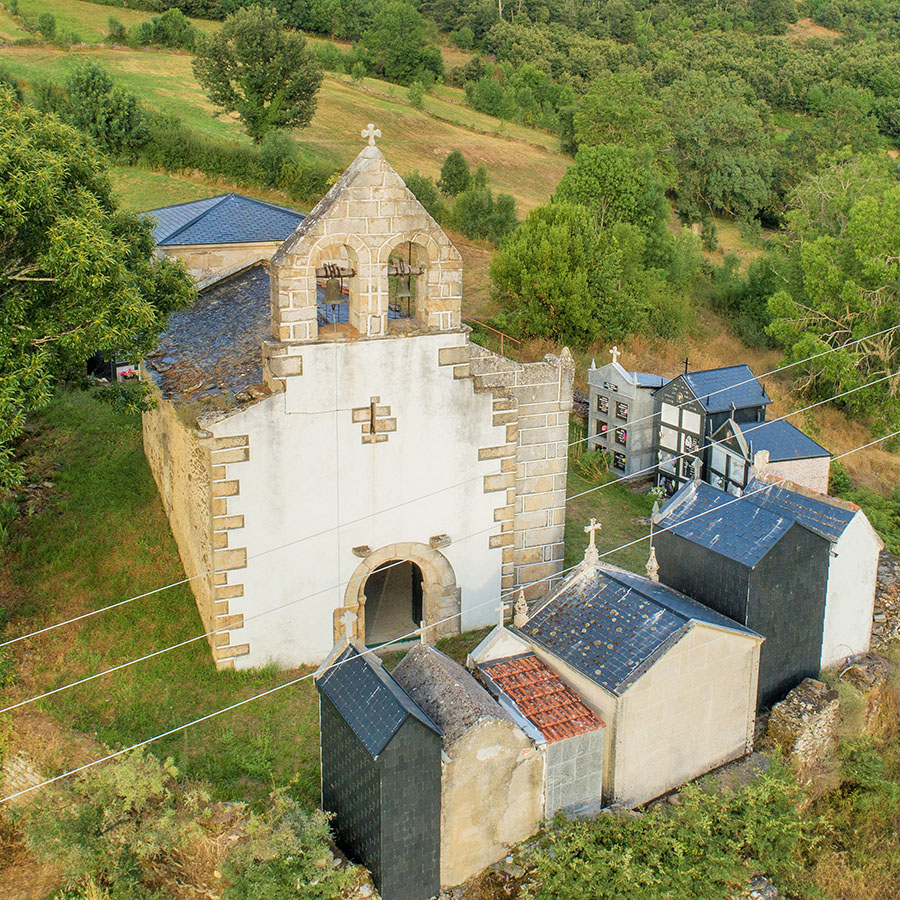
(338, 586)
(388, 509)
(405, 637)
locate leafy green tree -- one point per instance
(618, 185)
(398, 45)
(773, 16)
(115, 33)
(455, 174)
(76, 275)
(481, 216)
(426, 193)
(847, 288)
(254, 68)
(109, 114)
(723, 152)
(416, 94)
(358, 70)
(46, 25)
(560, 277)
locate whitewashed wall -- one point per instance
(852, 574)
(309, 470)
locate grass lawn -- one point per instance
(89, 21)
(100, 535)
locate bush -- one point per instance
(416, 94)
(358, 71)
(593, 465)
(116, 33)
(464, 38)
(276, 154)
(331, 58)
(455, 175)
(426, 192)
(7, 81)
(480, 216)
(46, 25)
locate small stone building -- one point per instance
(692, 408)
(621, 417)
(492, 774)
(855, 548)
(381, 774)
(674, 681)
(761, 567)
(774, 447)
(328, 440)
(219, 236)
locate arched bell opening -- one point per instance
(407, 267)
(337, 285)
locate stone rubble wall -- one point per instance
(804, 722)
(886, 621)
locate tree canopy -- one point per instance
(253, 67)
(76, 275)
(397, 44)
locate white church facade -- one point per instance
(329, 441)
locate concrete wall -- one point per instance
(574, 772)
(693, 710)
(491, 798)
(852, 575)
(810, 473)
(203, 261)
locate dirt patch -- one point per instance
(804, 29)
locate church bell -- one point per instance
(404, 289)
(333, 290)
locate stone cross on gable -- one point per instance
(615, 353)
(371, 132)
(347, 620)
(520, 620)
(591, 556)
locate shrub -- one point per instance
(464, 38)
(116, 33)
(416, 94)
(426, 192)
(276, 152)
(7, 81)
(455, 175)
(358, 71)
(46, 25)
(480, 216)
(593, 465)
(330, 57)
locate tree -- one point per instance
(46, 25)
(109, 114)
(416, 94)
(426, 193)
(562, 278)
(455, 175)
(76, 275)
(847, 288)
(398, 44)
(722, 150)
(254, 68)
(619, 185)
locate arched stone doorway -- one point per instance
(389, 569)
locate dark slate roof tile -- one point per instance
(738, 530)
(214, 346)
(229, 219)
(648, 380)
(718, 389)
(826, 516)
(783, 441)
(369, 699)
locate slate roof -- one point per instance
(612, 625)
(735, 528)
(783, 441)
(214, 346)
(446, 692)
(369, 699)
(542, 697)
(718, 389)
(648, 379)
(228, 219)
(826, 516)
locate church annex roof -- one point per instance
(371, 702)
(227, 219)
(542, 697)
(718, 389)
(737, 528)
(612, 625)
(212, 349)
(447, 693)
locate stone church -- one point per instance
(328, 440)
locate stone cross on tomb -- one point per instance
(371, 132)
(615, 353)
(347, 620)
(591, 556)
(521, 611)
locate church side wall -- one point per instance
(496, 766)
(850, 602)
(179, 458)
(692, 711)
(419, 479)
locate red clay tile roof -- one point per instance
(542, 697)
